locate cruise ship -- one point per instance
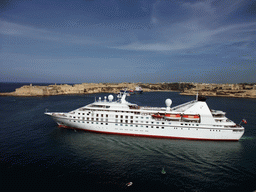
(192, 120)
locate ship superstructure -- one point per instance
(191, 120)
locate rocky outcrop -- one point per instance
(224, 90)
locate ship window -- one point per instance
(126, 125)
(141, 117)
(131, 121)
(146, 126)
(106, 123)
(126, 121)
(137, 117)
(101, 115)
(83, 113)
(116, 116)
(121, 116)
(131, 117)
(131, 125)
(107, 115)
(101, 123)
(141, 125)
(121, 124)
(78, 113)
(121, 121)
(97, 119)
(162, 122)
(162, 127)
(97, 115)
(126, 116)
(146, 117)
(157, 127)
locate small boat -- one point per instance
(131, 91)
(191, 117)
(172, 116)
(138, 90)
(129, 184)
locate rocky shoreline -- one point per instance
(242, 90)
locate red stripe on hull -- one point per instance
(151, 136)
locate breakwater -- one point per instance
(243, 90)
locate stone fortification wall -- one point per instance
(226, 90)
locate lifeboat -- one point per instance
(172, 116)
(191, 117)
(157, 116)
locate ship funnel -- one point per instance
(168, 103)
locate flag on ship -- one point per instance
(244, 121)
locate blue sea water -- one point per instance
(37, 155)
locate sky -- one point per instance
(113, 41)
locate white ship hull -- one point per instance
(174, 131)
(124, 118)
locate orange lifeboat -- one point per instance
(191, 117)
(157, 116)
(172, 116)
